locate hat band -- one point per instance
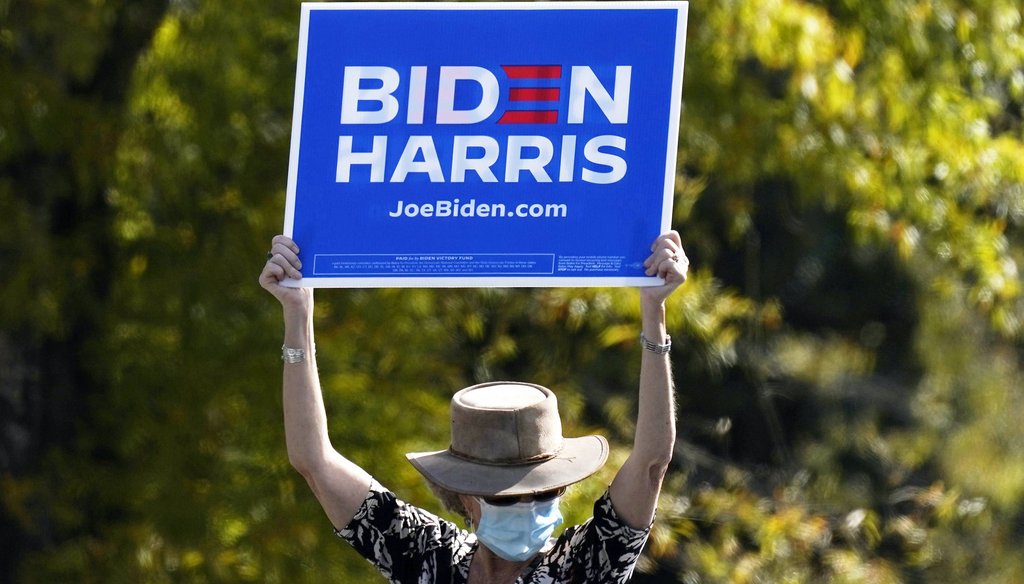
(543, 456)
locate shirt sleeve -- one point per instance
(404, 542)
(603, 550)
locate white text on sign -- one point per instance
(478, 153)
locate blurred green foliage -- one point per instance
(848, 355)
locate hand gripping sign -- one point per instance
(484, 144)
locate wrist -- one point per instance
(298, 326)
(652, 314)
(653, 329)
(650, 301)
(300, 308)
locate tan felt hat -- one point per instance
(507, 440)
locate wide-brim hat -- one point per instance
(507, 440)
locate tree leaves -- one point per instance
(846, 349)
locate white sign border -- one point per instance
(681, 8)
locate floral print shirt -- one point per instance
(412, 546)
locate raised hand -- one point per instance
(667, 261)
(283, 262)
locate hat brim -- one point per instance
(578, 459)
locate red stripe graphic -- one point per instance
(533, 71)
(521, 94)
(534, 94)
(529, 117)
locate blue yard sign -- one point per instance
(484, 144)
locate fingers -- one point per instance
(285, 255)
(670, 237)
(287, 249)
(271, 275)
(286, 242)
(667, 258)
(672, 268)
(660, 255)
(272, 271)
(282, 262)
(667, 261)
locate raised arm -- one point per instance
(339, 484)
(634, 492)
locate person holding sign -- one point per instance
(505, 470)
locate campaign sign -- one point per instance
(484, 144)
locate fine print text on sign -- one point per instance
(484, 144)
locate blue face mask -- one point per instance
(516, 532)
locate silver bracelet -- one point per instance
(290, 355)
(655, 347)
